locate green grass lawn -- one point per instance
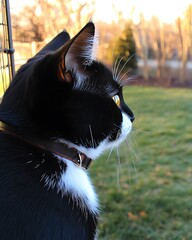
(145, 188)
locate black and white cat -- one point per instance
(62, 96)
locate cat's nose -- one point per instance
(132, 118)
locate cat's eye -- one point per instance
(116, 99)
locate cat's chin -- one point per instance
(94, 153)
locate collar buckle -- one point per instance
(83, 161)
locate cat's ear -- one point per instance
(77, 53)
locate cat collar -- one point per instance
(59, 149)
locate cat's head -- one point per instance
(73, 98)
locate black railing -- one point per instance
(7, 68)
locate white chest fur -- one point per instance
(75, 181)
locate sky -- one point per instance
(166, 10)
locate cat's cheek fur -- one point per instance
(126, 128)
(94, 153)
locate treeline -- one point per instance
(163, 51)
(163, 42)
(119, 41)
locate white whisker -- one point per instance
(109, 155)
(115, 68)
(121, 78)
(118, 168)
(113, 146)
(135, 155)
(127, 162)
(124, 65)
(116, 76)
(136, 130)
(132, 139)
(92, 139)
(128, 80)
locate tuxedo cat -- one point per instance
(62, 102)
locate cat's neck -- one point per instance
(60, 149)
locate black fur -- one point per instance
(39, 102)
(28, 209)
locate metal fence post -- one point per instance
(7, 65)
(10, 40)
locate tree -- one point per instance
(45, 19)
(141, 36)
(185, 34)
(125, 52)
(108, 34)
(158, 43)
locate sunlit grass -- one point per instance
(149, 195)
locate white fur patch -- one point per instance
(126, 127)
(76, 182)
